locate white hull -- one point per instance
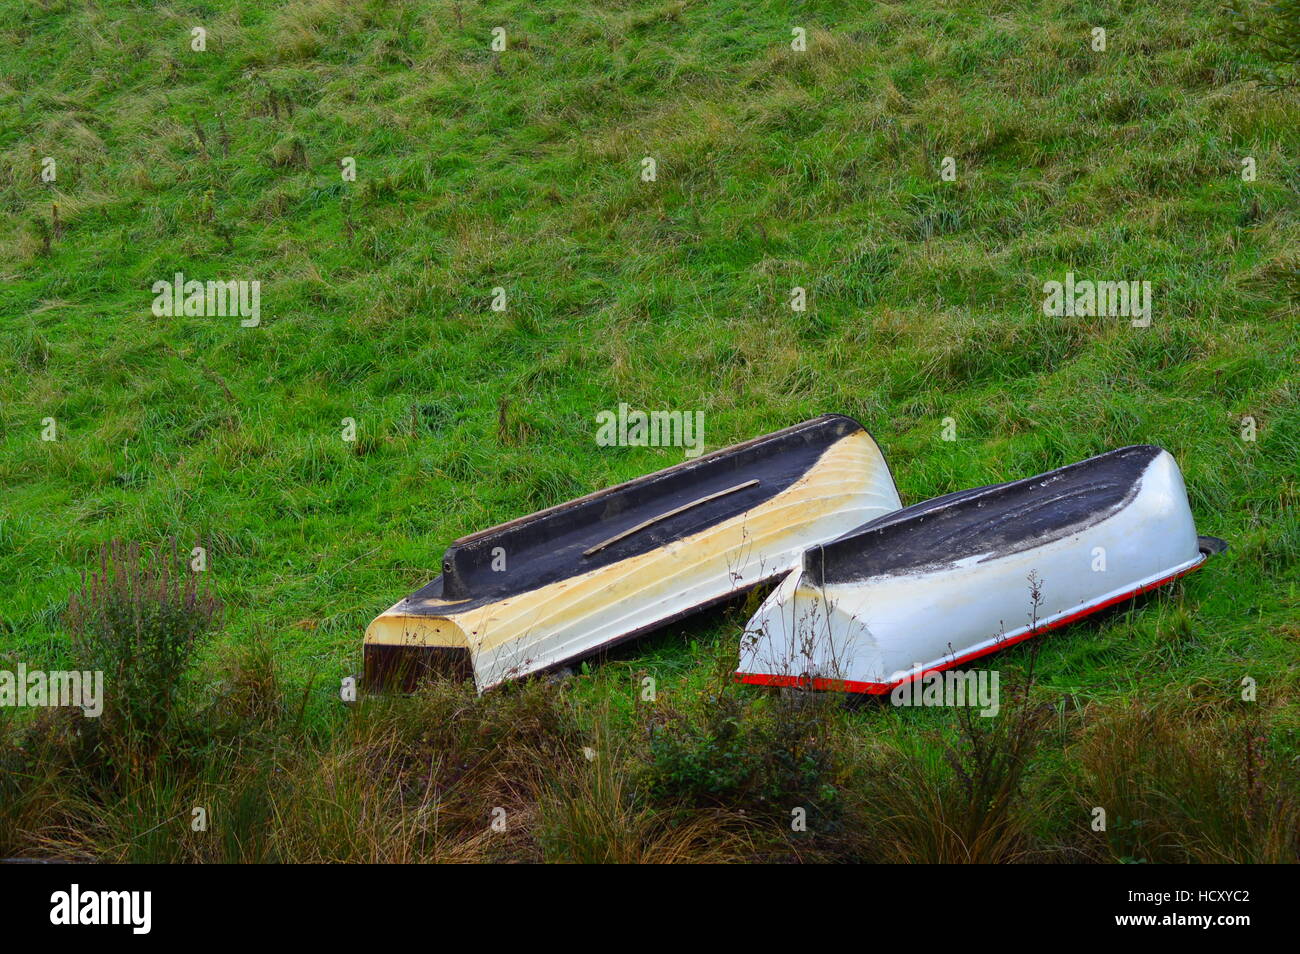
(870, 634)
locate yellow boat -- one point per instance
(566, 583)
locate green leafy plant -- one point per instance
(735, 752)
(139, 619)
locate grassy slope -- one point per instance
(521, 170)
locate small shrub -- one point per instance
(139, 619)
(739, 753)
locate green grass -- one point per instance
(521, 170)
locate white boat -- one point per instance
(936, 585)
(548, 589)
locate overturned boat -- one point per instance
(946, 581)
(564, 583)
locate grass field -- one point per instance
(522, 170)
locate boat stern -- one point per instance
(402, 647)
(800, 638)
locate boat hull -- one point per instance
(614, 565)
(948, 581)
